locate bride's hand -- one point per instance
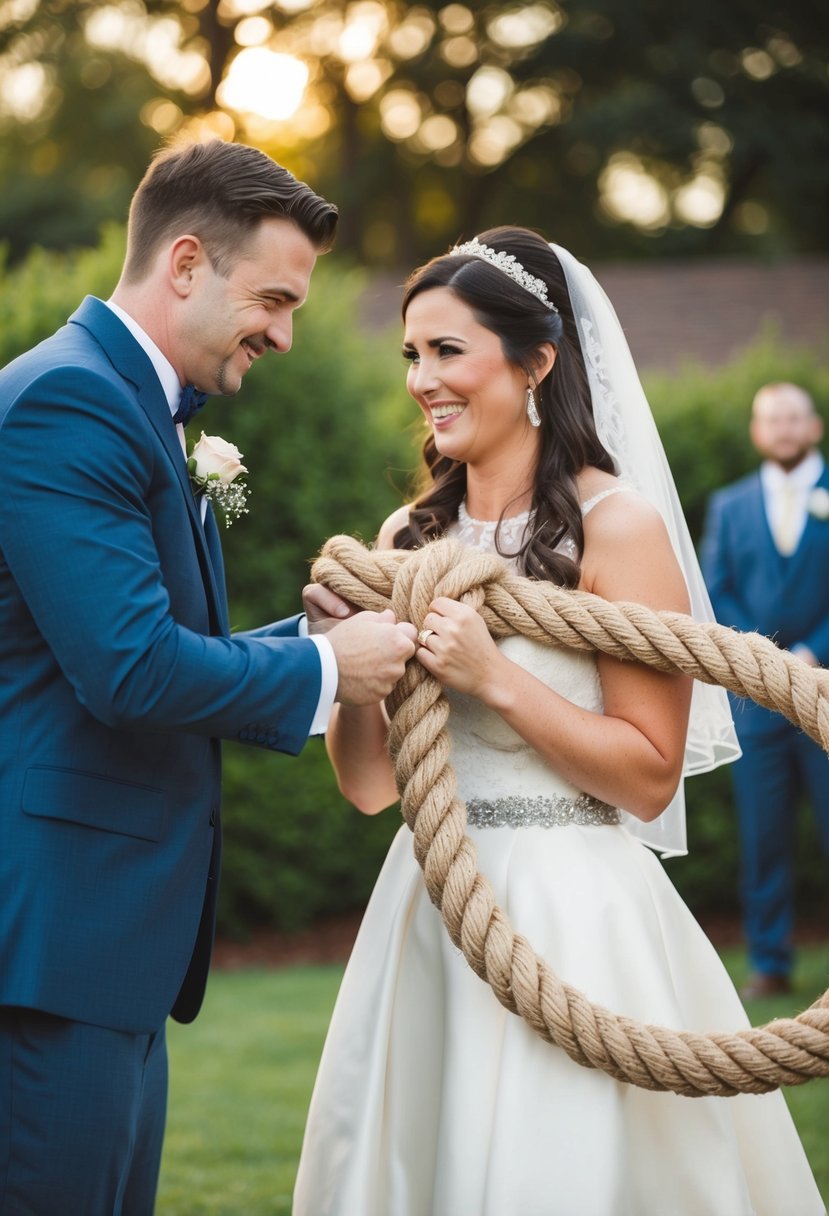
(458, 650)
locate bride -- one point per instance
(431, 1098)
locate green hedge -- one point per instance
(40, 292)
(330, 439)
(326, 432)
(703, 414)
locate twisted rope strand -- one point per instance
(788, 1051)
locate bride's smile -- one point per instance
(442, 415)
(470, 394)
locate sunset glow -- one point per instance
(264, 82)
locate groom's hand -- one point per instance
(324, 609)
(372, 650)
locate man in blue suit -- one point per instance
(765, 554)
(118, 673)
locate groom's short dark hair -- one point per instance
(219, 192)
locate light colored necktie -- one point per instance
(785, 536)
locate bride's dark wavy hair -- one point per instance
(567, 432)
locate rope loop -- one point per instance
(788, 1051)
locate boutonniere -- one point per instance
(819, 503)
(215, 468)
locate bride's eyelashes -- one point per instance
(444, 350)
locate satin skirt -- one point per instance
(433, 1100)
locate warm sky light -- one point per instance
(264, 82)
(268, 81)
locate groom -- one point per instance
(118, 674)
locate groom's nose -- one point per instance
(280, 334)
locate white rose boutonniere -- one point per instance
(215, 467)
(819, 503)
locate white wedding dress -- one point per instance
(433, 1100)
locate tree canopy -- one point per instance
(619, 127)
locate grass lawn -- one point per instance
(241, 1077)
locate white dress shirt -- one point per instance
(168, 377)
(785, 493)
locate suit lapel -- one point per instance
(214, 548)
(756, 508)
(811, 532)
(133, 363)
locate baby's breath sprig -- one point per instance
(216, 470)
(228, 501)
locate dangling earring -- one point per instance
(532, 412)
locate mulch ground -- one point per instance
(330, 941)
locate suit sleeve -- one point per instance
(717, 558)
(289, 628)
(77, 535)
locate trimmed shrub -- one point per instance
(327, 435)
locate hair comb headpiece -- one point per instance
(508, 263)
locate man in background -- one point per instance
(765, 556)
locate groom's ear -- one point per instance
(186, 257)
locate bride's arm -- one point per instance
(630, 755)
(356, 735)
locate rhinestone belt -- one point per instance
(555, 812)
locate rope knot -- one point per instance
(443, 568)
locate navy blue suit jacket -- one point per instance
(118, 677)
(754, 588)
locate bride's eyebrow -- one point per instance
(434, 343)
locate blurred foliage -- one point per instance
(327, 434)
(620, 126)
(703, 413)
(71, 147)
(294, 850)
(330, 439)
(38, 294)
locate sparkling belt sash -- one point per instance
(555, 812)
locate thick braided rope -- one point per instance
(787, 1051)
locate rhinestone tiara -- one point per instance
(507, 263)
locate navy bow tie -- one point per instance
(190, 402)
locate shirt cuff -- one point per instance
(330, 678)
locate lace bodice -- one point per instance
(480, 533)
(490, 759)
